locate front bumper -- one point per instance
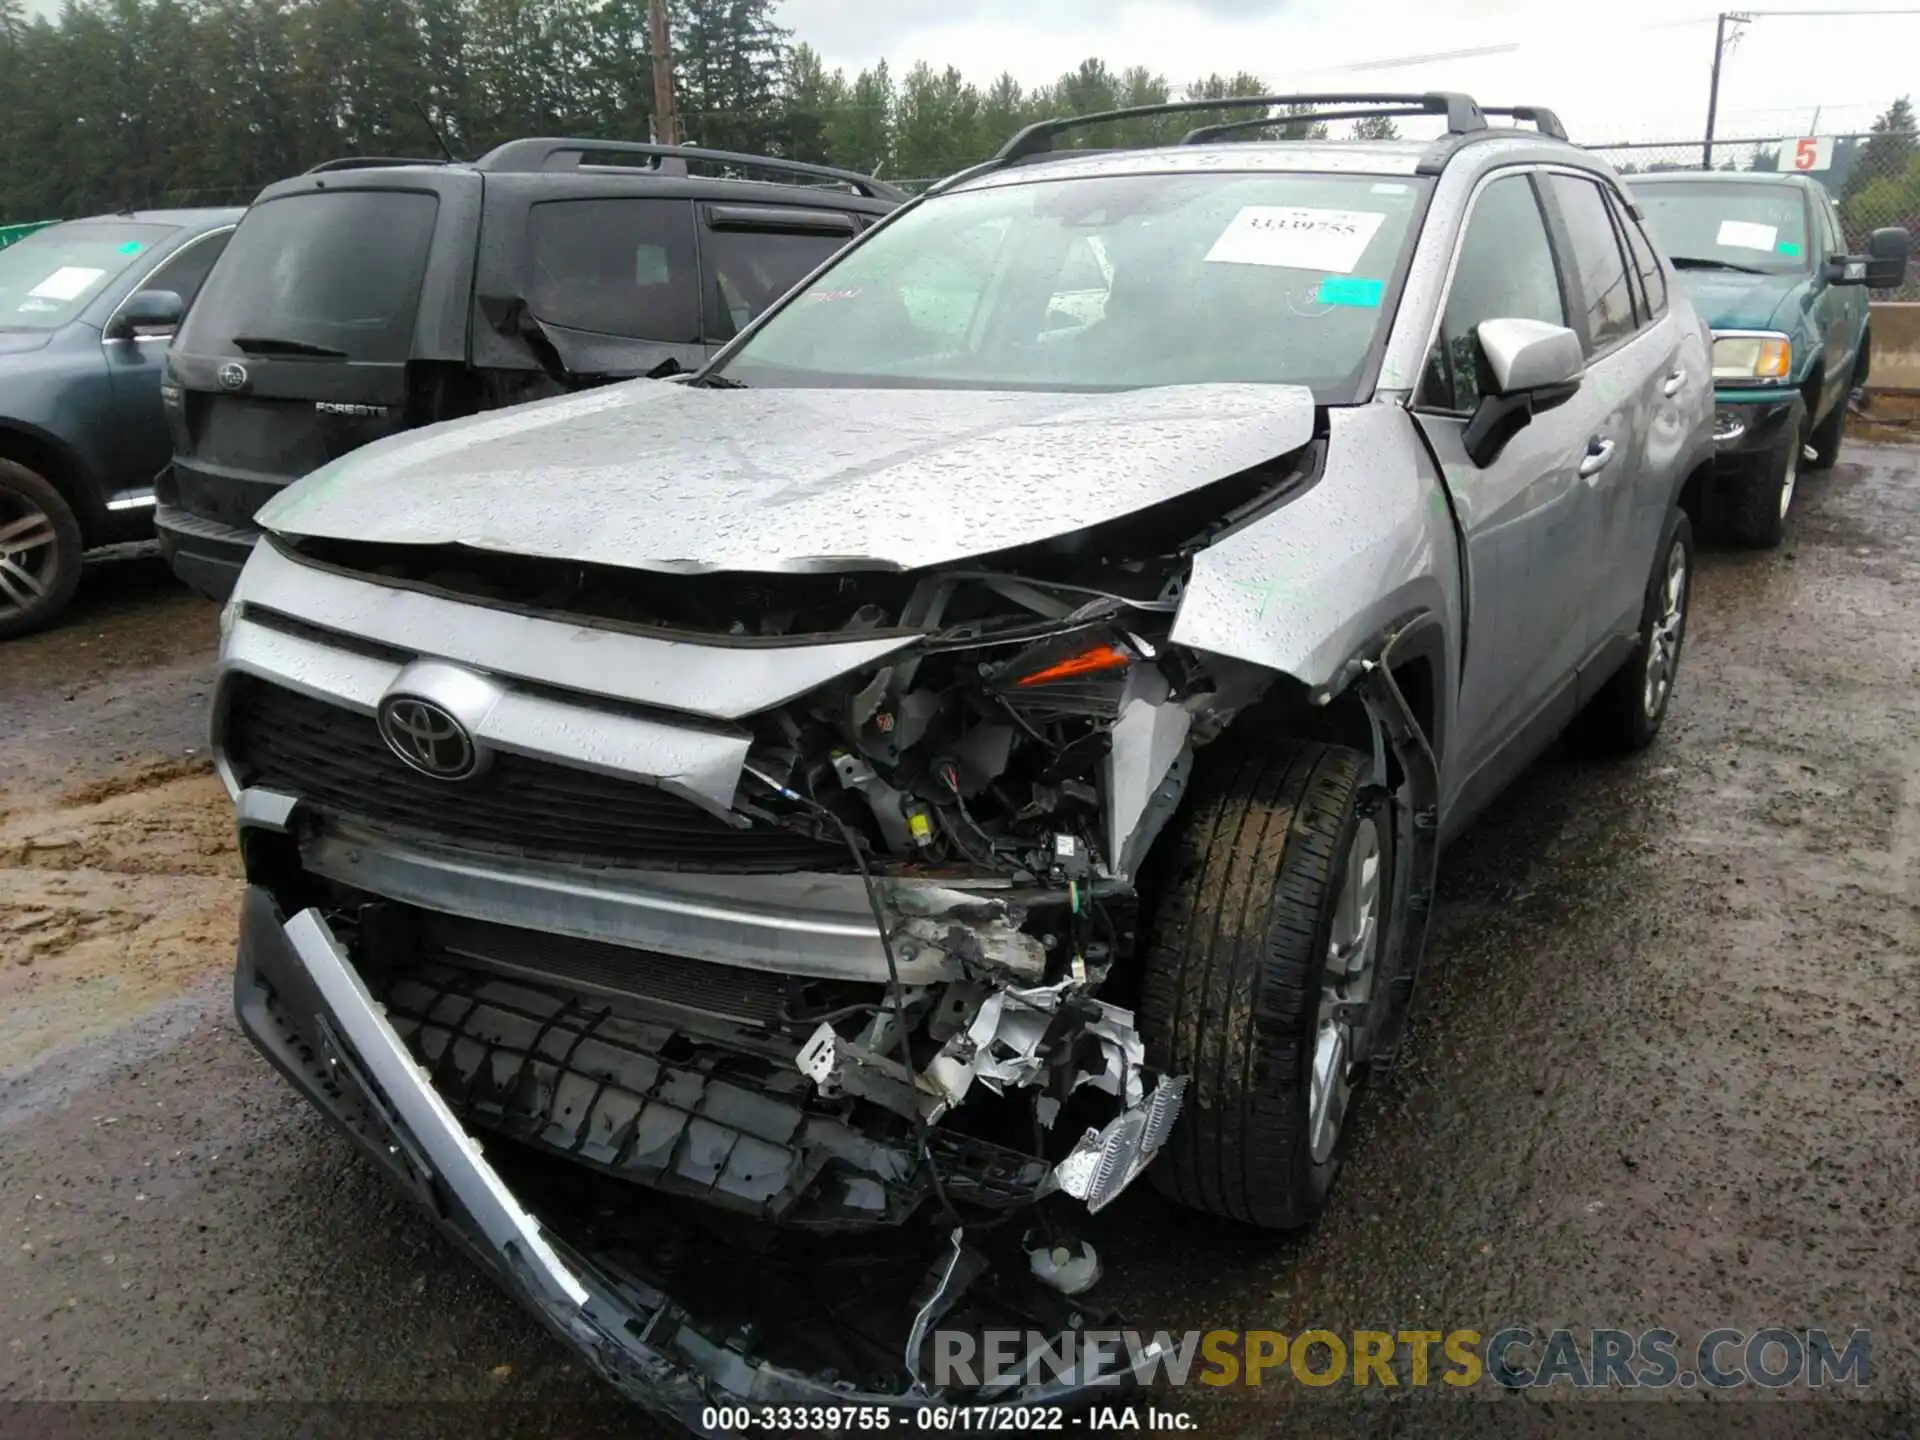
(1749, 426)
(304, 1005)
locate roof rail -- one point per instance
(542, 153)
(1261, 122)
(370, 162)
(1463, 115)
(1541, 118)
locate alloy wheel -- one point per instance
(27, 554)
(1663, 640)
(1346, 991)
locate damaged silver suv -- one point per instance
(984, 738)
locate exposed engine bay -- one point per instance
(996, 784)
(847, 961)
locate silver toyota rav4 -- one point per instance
(985, 738)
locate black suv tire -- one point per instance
(36, 579)
(1827, 436)
(1237, 965)
(1756, 504)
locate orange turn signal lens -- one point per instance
(1088, 662)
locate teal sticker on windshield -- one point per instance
(132, 247)
(1347, 290)
(1787, 247)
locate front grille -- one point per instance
(335, 760)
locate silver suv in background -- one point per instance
(985, 737)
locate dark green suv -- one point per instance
(1765, 261)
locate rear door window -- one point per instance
(616, 267)
(47, 279)
(1653, 283)
(1600, 270)
(334, 274)
(754, 255)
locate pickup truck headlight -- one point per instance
(1766, 358)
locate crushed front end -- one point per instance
(769, 930)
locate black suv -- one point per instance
(371, 296)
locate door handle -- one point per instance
(1599, 453)
(1674, 383)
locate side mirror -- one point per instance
(1535, 366)
(1888, 250)
(147, 310)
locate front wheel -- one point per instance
(1757, 504)
(40, 547)
(1826, 437)
(1263, 977)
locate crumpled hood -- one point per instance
(23, 342)
(1728, 300)
(667, 477)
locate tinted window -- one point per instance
(1653, 284)
(751, 269)
(616, 267)
(335, 272)
(1600, 274)
(187, 271)
(49, 277)
(1728, 224)
(1505, 272)
(1247, 277)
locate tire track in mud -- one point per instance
(115, 896)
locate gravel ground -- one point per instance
(1664, 1072)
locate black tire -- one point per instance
(1755, 507)
(1618, 719)
(35, 583)
(1827, 436)
(1235, 968)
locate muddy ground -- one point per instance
(1665, 1071)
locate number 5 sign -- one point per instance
(1813, 153)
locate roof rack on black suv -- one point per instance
(369, 162)
(540, 154)
(375, 293)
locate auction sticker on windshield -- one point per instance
(1746, 235)
(69, 282)
(1296, 238)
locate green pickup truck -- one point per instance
(1765, 261)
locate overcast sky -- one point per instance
(1623, 69)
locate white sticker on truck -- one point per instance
(1296, 238)
(1746, 235)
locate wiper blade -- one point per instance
(718, 382)
(1703, 262)
(269, 345)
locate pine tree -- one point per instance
(1887, 151)
(729, 55)
(1376, 127)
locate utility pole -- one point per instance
(666, 127)
(1713, 92)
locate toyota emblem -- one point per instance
(428, 738)
(232, 376)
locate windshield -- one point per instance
(334, 274)
(48, 278)
(1744, 227)
(1112, 282)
